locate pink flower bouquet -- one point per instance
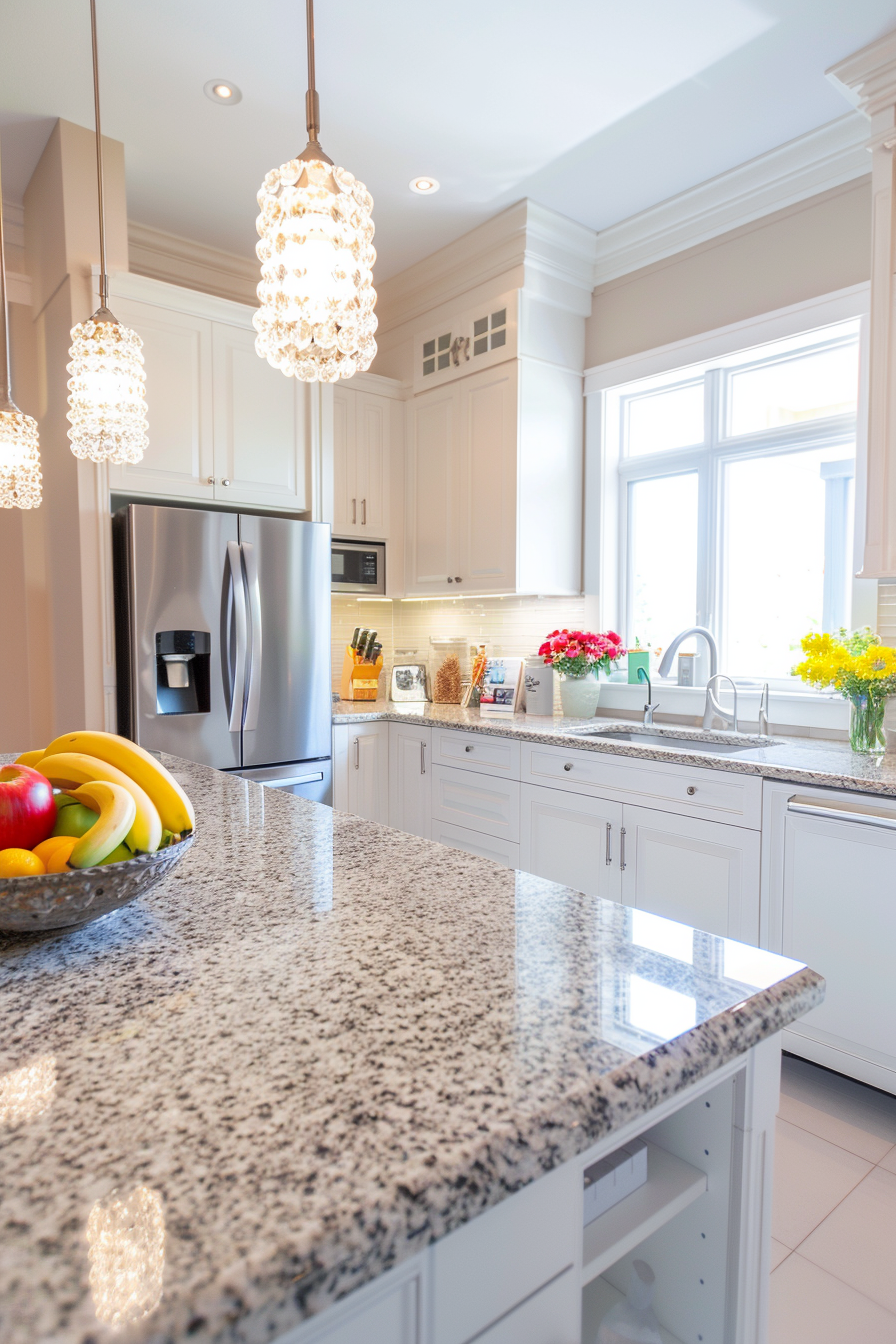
(575, 653)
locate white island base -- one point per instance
(527, 1272)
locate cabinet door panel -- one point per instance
(344, 472)
(698, 872)
(177, 353)
(476, 801)
(259, 426)
(571, 839)
(410, 778)
(505, 852)
(839, 912)
(371, 455)
(368, 771)
(488, 513)
(432, 472)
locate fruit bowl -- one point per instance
(64, 900)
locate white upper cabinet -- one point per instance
(177, 354)
(362, 436)
(217, 413)
(259, 426)
(474, 525)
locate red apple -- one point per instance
(27, 809)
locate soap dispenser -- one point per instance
(632, 1321)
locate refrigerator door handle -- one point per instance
(238, 599)
(253, 696)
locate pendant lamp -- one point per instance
(316, 319)
(107, 405)
(19, 452)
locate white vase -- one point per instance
(579, 696)
(632, 1321)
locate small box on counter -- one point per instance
(614, 1177)
(637, 658)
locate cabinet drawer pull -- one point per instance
(692, 789)
(842, 812)
(423, 758)
(357, 753)
(468, 748)
(609, 858)
(568, 765)
(622, 848)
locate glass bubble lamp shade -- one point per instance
(316, 320)
(107, 402)
(20, 480)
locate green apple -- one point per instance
(118, 855)
(74, 820)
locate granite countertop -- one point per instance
(795, 760)
(317, 1046)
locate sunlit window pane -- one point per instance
(773, 532)
(661, 420)
(803, 388)
(663, 549)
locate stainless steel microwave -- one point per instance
(358, 567)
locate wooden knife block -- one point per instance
(360, 681)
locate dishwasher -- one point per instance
(830, 879)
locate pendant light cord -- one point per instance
(312, 103)
(6, 403)
(104, 283)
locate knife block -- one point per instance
(360, 681)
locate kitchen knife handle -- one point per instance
(238, 616)
(253, 592)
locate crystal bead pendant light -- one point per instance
(19, 454)
(316, 320)
(107, 403)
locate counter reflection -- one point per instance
(27, 1092)
(126, 1241)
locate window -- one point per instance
(735, 498)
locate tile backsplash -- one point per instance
(509, 627)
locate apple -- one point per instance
(74, 820)
(27, 808)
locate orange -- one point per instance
(20, 863)
(58, 861)
(47, 848)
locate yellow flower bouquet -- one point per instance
(863, 670)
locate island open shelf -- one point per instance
(672, 1184)
(597, 1299)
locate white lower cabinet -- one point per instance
(477, 842)
(698, 872)
(410, 778)
(361, 770)
(571, 838)
(477, 802)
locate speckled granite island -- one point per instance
(333, 1082)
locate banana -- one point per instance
(117, 813)
(71, 767)
(173, 805)
(29, 758)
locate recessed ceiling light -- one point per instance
(222, 91)
(424, 186)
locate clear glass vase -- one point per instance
(866, 725)
(579, 696)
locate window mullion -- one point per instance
(706, 523)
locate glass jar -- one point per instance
(866, 725)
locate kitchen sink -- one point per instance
(720, 745)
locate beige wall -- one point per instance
(822, 244)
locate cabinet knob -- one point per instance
(568, 765)
(224, 480)
(211, 480)
(468, 748)
(450, 580)
(457, 579)
(692, 789)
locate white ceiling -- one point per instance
(595, 108)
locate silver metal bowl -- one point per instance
(64, 900)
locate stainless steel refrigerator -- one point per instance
(223, 641)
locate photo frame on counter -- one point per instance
(502, 687)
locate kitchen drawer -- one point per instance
(505, 852)
(713, 795)
(477, 802)
(476, 751)
(527, 1242)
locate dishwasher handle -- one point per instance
(803, 807)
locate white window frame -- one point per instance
(605, 542)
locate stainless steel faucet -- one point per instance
(712, 706)
(763, 712)
(713, 647)
(649, 707)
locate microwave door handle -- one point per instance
(253, 694)
(238, 617)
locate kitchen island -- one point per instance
(335, 1082)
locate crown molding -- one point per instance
(813, 163)
(868, 77)
(525, 246)
(180, 261)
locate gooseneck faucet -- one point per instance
(713, 647)
(650, 706)
(712, 706)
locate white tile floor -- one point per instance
(834, 1225)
